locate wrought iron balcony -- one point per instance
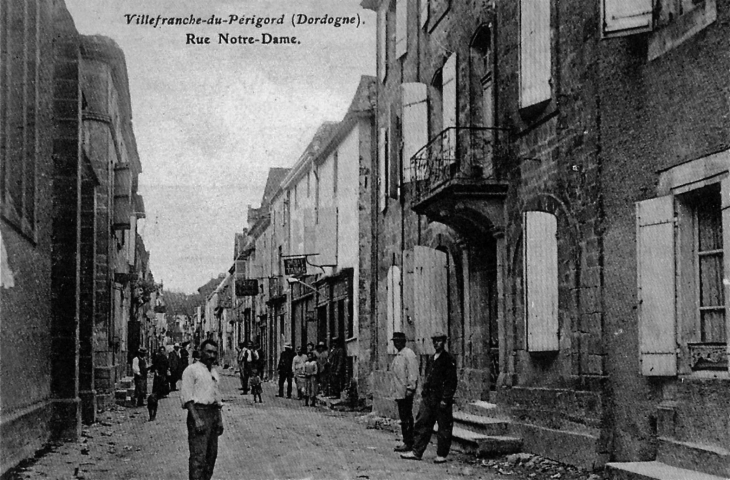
(463, 154)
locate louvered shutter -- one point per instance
(541, 281)
(424, 13)
(383, 44)
(535, 52)
(656, 286)
(401, 28)
(415, 124)
(725, 205)
(382, 168)
(626, 17)
(449, 106)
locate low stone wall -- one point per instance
(23, 432)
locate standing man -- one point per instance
(247, 359)
(437, 399)
(174, 360)
(405, 376)
(260, 362)
(200, 396)
(322, 364)
(336, 367)
(139, 369)
(298, 369)
(161, 366)
(284, 368)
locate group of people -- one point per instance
(316, 371)
(250, 367)
(167, 369)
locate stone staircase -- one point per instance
(480, 428)
(124, 394)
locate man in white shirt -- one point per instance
(200, 396)
(247, 359)
(405, 375)
(139, 369)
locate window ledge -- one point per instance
(706, 375)
(681, 29)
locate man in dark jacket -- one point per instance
(437, 399)
(284, 368)
(336, 368)
(161, 366)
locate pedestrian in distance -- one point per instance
(200, 396)
(336, 367)
(284, 369)
(184, 359)
(139, 369)
(323, 360)
(405, 379)
(311, 370)
(437, 397)
(247, 360)
(161, 366)
(255, 383)
(298, 370)
(174, 360)
(260, 362)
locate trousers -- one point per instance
(203, 446)
(428, 414)
(140, 389)
(288, 378)
(405, 412)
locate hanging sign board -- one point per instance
(247, 287)
(295, 266)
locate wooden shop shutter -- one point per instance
(415, 124)
(626, 17)
(449, 106)
(541, 281)
(535, 52)
(401, 28)
(655, 257)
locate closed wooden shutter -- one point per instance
(382, 168)
(541, 281)
(393, 307)
(449, 107)
(626, 17)
(415, 124)
(394, 154)
(383, 44)
(401, 28)
(424, 13)
(656, 286)
(431, 297)
(725, 205)
(535, 52)
(421, 313)
(327, 236)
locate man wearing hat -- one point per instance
(285, 370)
(139, 369)
(405, 379)
(437, 398)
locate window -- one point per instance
(482, 65)
(449, 107)
(540, 281)
(394, 152)
(415, 125)
(535, 53)
(430, 295)
(681, 236)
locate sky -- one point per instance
(211, 119)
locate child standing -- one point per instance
(255, 383)
(311, 369)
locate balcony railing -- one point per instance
(456, 152)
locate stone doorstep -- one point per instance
(654, 471)
(484, 409)
(483, 445)
(704, 458)
(481, 424)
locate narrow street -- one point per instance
(279, 439)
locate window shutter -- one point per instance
(420, 299)
(382, 168)
(431, 297)
(394, 155)
(626, 17)
(541, 281)
(449, 107)
(401, 28)
(424, 13)
(415, 124)
(327, 232)
(535, 52)
(393, 307)
(383, 44)
(725, 206)
(656, 286)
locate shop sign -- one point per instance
(295, 266)
(247, 287)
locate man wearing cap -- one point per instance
(284, 368)
(437, 398)
(139, 369)
(405, 379)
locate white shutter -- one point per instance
(431, 296)
(327, 231)
(420, 300)
(626, 17)
(401, 28)
(382, 168)
(383, 44)
(424, 13)
(415, 124)
(535, 52)
(541, 281)
(389, 310)
(449, 106)
(725, 205)
(655, 258)
(393, 307)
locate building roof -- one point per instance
(276, 175)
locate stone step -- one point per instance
(481, 424)
(126, 382)
(483, 445)
(708, 459)
(484, 409)
(654, 471)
